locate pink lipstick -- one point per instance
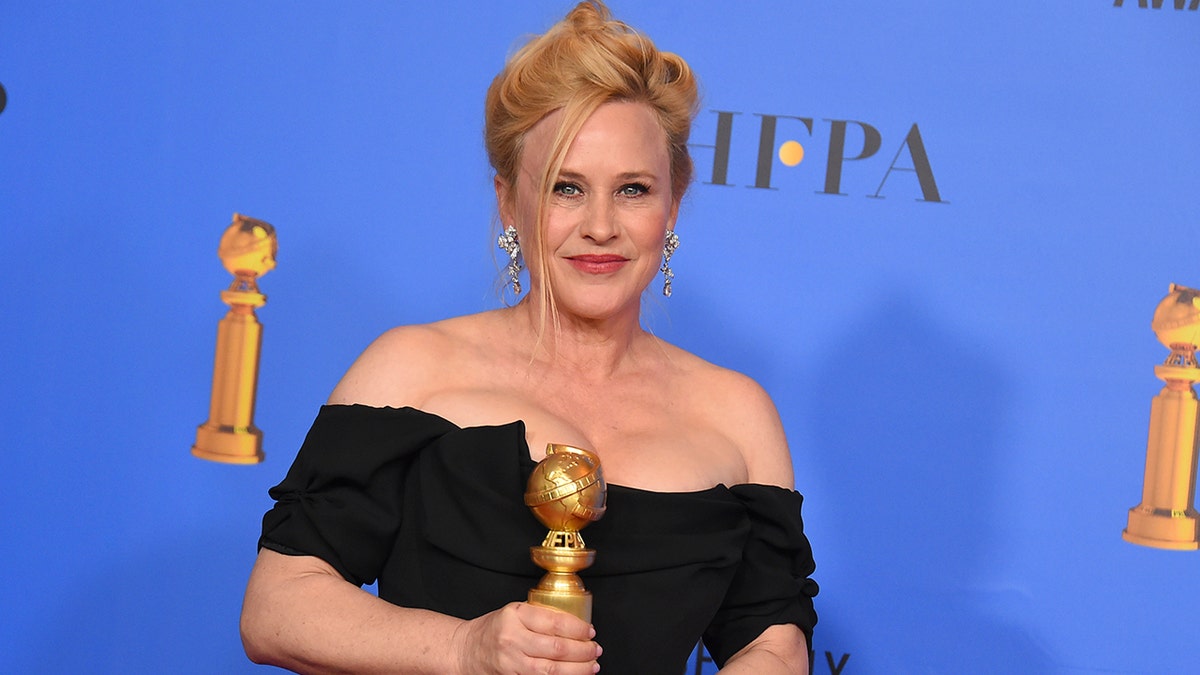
(597, 263)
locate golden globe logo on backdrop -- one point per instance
(846, 141)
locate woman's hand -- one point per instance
(521, 638)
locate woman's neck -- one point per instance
(588, 348)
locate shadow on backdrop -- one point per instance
(907, 418)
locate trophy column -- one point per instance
(248, 250)
(1166, 518)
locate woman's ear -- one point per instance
(503, 200)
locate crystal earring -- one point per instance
(669, 245)
(509, 244)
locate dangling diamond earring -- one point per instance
(669, 245)
(509, 244)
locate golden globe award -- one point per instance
(566, 492)
(247, 250)
(1166, 517)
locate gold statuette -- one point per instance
(1167, 517)
(248, 250)
(566, 492)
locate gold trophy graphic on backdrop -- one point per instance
(1167, 517)
(247, 250)
(566, 492)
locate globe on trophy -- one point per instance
(566, 492)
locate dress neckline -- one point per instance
(527, 458)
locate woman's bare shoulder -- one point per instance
(742, 410)
(404, 365)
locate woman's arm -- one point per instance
(301, 615)
(780, 649)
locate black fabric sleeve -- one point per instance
(772, 585)
(341, 499)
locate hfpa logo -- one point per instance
(847, 141)
(1157, 4)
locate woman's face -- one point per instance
(609, 212)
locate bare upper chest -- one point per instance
(643, 440)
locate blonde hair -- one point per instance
(582, 62)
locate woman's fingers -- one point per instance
(556, 635)
(548, 621)
(525, 638)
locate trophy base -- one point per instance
(1161, 528)
(230, 445)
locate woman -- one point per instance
(414, 472)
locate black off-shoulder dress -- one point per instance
(435, 513)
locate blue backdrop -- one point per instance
(949, 296)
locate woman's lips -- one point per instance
(597, 264)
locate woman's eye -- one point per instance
(633, 190)
(567, 189)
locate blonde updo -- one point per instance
(582, 62)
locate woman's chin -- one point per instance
(594, 308)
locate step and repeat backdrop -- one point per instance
(935, 232)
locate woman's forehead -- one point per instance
(618, 137)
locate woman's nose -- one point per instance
(599, 221)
